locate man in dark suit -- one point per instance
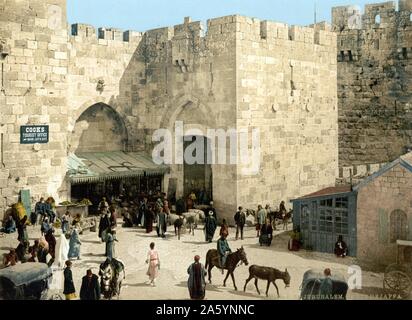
(90, 289)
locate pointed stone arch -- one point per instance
(195, 115)
(98, 128)
(177, 107)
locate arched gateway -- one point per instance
(100, 164)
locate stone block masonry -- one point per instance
(374, 82)
(239, 73)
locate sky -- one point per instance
(142, 15)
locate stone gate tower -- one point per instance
(374, 81)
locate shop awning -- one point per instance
(100, 166)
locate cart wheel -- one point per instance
(398, 282)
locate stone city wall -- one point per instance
(374, 82)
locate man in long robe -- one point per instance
(213, 209)
(103, 225)
(51, 240)
(224, 250)
(90, 289)
(22, 229)
(266, 236)
(142, 211)
(161, 223)
(180, 206)
(240, 220)
(148, 218)
(261, 219)
(210, 227)
(62, 250)
(110, 244)
(196, 283)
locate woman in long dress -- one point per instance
(154, 264)
(74, 250)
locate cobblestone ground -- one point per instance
(177, 255)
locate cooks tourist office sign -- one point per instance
(34, 134)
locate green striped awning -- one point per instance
(99, 166)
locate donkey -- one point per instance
(111, 281)
(269, 274)
(178, 224)
(232, 262)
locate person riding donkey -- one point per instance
(224, 250)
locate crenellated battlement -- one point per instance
(376, 16)
(88, 33)
(252, 28)
(382, 27)
(320, 34)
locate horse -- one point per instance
(111, 282)
(269, 274)
(233, 260)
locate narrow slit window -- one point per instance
(405, 53)
(377, 44)
(350, 55)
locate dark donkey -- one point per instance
(232, 261)
(269, 274)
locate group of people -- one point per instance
(143, 212)
(44, 209)
(107, 227)
(47, 249)
(148, 213)
(90, 287)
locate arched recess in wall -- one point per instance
(99, 128)
(398, 226)
(195, 116)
